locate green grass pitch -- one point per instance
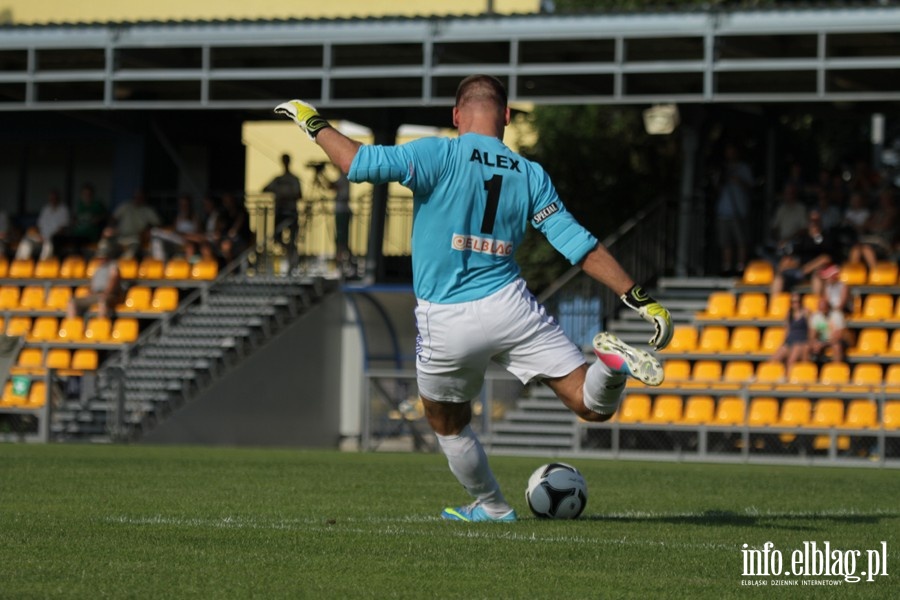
(189, 522)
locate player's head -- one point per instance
(480, 99)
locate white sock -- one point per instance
(603, 388)
(469, 463)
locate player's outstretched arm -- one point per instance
(339, 148)
(602, 266)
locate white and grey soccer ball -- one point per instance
(556, 491)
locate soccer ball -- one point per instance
(556, 491)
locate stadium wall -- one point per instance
(286, 394)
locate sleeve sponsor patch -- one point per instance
(544, 213)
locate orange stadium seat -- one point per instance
(795, 412)
(876, 307)
(891, 417)
(862, 413)
(32, 297)
(58, 297)
(205, 269)
(706, 372)
(44, 329)
(801, 375)
(763, 412)
(58, 358)
(867, 375)
(751, 305)
(21, 269)
(29, 361)
(85, 359)
(778, 306)
(98, 329)
(737, 371)
(810, 302)
(91, 266)
(698, 410)
(744, 340)
(854, 274)
(729, 411)
(684, 339)
(892, 378)
(894, 343)
(125, 329)
(870, 342)
(635, 409)
(18, 325)
(666, 409)
(150, 268)
(884, 273)
(768, 374)
(713, 338)
(834, 374)
(676, 372)
(37, 395)
(758, 272)
(47, 268)
(9, 297)
(177, 268)
(138, 298)
(71, 329)
(719, 305)
(72, 267)
(772, 340)
(128, 268)
(164, 299)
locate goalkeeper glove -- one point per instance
(653, 312)
(304, 115)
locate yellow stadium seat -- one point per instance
(892, 378)
(827, 412)
(58, 297)
(854, 274)
(138, 298)
(128, 268)
(125, 329)
(676, 372)
(699, 410)
(205, 269)
(706, 372)
(72, 267)
(37, 395)
(18, 325)
(666, 409)
(10, 398)
(810, 302)
(795, 412)
(768, 374)
(85, 359)
(772, 340)
(30, 360)
(751, 305)
(861, 414)
(9, 297)
(801, 375)
(150, 268)
(758, 272)
(729, 411)
(739, 372)
(894, 343)
(91, 266)
(713, 338)
(71, 329)
(834, 375)
(763, 412)
(870, 342)
(177, 268)
(684, 339)
(98, 329)
(779, 305)
(58, 358)
(21, 269)
(32, 297)
(884, 273)
(891, 417)
(635, 409)
(164, 299)
(719, 305)
(44, 329)
(4, 266)
(47, 268)
(867, 374)
(744, 340)
(876, 307)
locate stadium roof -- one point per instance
(816, 52)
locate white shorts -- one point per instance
(457, 341)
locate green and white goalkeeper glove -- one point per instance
(653, 312)
(304, 115)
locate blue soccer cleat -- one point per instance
(475, 513)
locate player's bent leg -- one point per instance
(468, 462)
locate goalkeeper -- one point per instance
(473, 198)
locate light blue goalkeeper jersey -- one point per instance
(473, 199)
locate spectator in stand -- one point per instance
(796, 340)
(814, 249)
(827, 331)
(237, 236)
(205, 242)
(105, 286)
(857, 213)
(835, 291)
(53, 219)
(171, 240)
(831, 213)
(879, 232)
(732, 210)
(88, 220)
(132, 222)
(790, 218)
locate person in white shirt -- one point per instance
(52, 219)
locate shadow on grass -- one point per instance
(785, 520)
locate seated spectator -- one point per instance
(879, 232)
(132, 222)
(814, 249)
(790, 218)
(88, 220)
(796, 340)
(204, 242)
(827, 331)
(170, 240)
(105, 286)
(53, 219)
(827, 283)
(236, 236)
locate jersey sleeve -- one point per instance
(414, 165)
(558, 225)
